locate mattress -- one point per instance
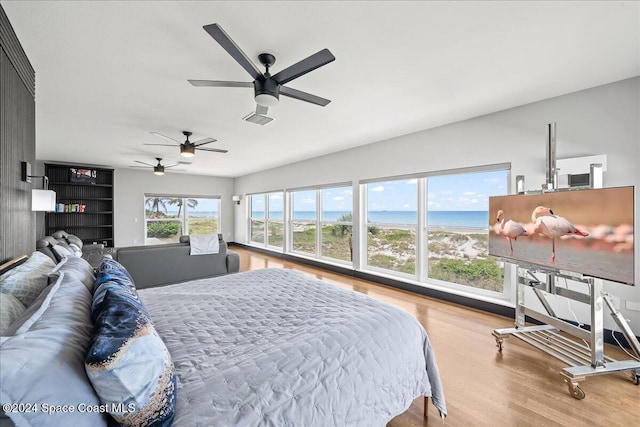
(276, 347)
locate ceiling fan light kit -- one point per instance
(188, 148)
(267, 88)
(159, 168)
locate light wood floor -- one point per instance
(519, 387)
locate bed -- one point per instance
(272, 347)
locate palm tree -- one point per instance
(342, 229)
(192, 203)
(155, 203)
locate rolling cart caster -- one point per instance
(635, 378)
(574, 390)
(499, 341)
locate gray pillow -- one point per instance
(27, 281)
(10, 309)
(78, 268)
(62, 252)
(45, 363)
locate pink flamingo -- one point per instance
(550, 225)
(510, 229)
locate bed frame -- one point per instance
(12, 263)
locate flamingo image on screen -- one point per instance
(510, 229)
(550, 225)
(585, 231)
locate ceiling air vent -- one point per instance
(258, 119)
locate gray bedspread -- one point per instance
(279, 348)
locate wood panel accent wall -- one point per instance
(17, 144)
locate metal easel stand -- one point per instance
(583, 360)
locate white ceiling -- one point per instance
(109, 73)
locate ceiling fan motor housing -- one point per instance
(266, 91)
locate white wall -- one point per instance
(131, 185)
(601, 120)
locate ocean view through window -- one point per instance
(454, 245)
(169, 217)
(458, 229)
(392, 225)
(431, 229)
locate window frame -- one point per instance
(184, 219)
(422, 253)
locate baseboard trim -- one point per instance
(486, 306)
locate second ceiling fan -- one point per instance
(188, 148)
(267, 88)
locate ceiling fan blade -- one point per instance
(301, 68)
(163, 145)
(303, 96)
(143, 163)
(204, 141)
(166, 137)
(170, 166)
(214, 150)
(232, 49)
(219, 83)
(261, 110)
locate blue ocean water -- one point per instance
(471, 219)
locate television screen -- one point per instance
(584, 231)
(82, 176)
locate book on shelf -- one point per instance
(70, 207)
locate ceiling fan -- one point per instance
(188, 148)
(159, 168)
(267, 88)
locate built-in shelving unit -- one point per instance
(91, 204)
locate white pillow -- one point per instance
(26, 281)
(202, 244)
(78, 268)
(10, 309)
(44, 362)
(62, 252)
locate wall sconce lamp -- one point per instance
(236, 199)
(41, 200)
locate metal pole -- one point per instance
(551, 157)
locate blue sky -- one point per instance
(204, 205)
(463, 192)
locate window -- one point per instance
(450, 242)
(392, 225)
(256, 217)
(336, 223)
(169, 217)
(457, 223)
(275, 220)
(267, 219)
(303, 225)
(322, 223)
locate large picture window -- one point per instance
(458, 234)
(169, 217)
(392, 224)
(450, 242)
